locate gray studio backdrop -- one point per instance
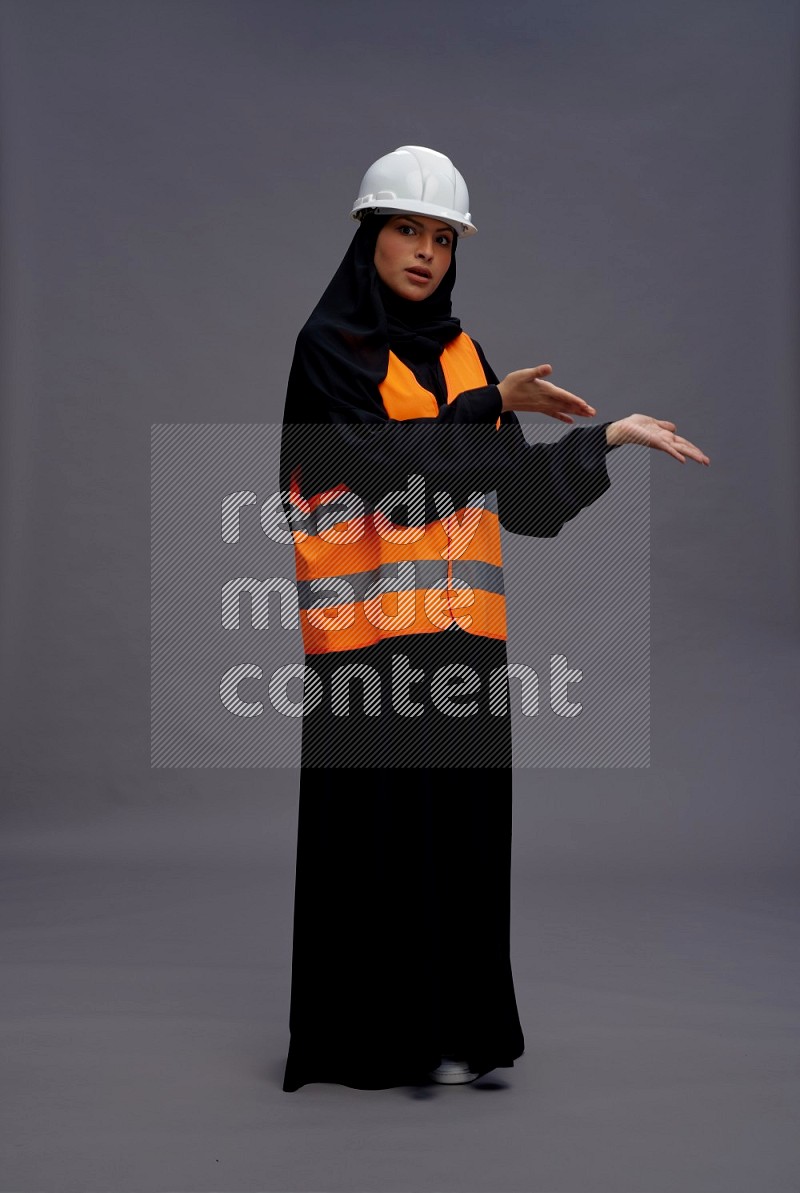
(176, 182)
(176, 186)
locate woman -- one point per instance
(401, 457)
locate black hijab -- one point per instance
(335, 425)
(342, 351)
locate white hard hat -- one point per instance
(417, 180)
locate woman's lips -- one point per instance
(417, 277)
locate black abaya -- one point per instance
(402, 895)
(401, 919)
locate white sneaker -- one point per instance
(453, 1072)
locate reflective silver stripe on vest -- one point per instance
(327, 591)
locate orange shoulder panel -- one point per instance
(404, 397)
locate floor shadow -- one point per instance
(421, 1092)
(433, 1089)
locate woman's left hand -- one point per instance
(654, 432)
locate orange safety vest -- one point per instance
(357, 586)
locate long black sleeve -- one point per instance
(552, 482)
(539, 486)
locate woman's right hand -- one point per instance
(527, 389)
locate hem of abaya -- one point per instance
(373, 1080)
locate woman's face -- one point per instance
(412, 254)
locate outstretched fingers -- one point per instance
(567, 401)
(680, 448)
(692, 450)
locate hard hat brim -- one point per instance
(456, 220)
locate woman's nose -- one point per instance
(425, 248)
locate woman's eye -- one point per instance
(405, 228)
(444, 239)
